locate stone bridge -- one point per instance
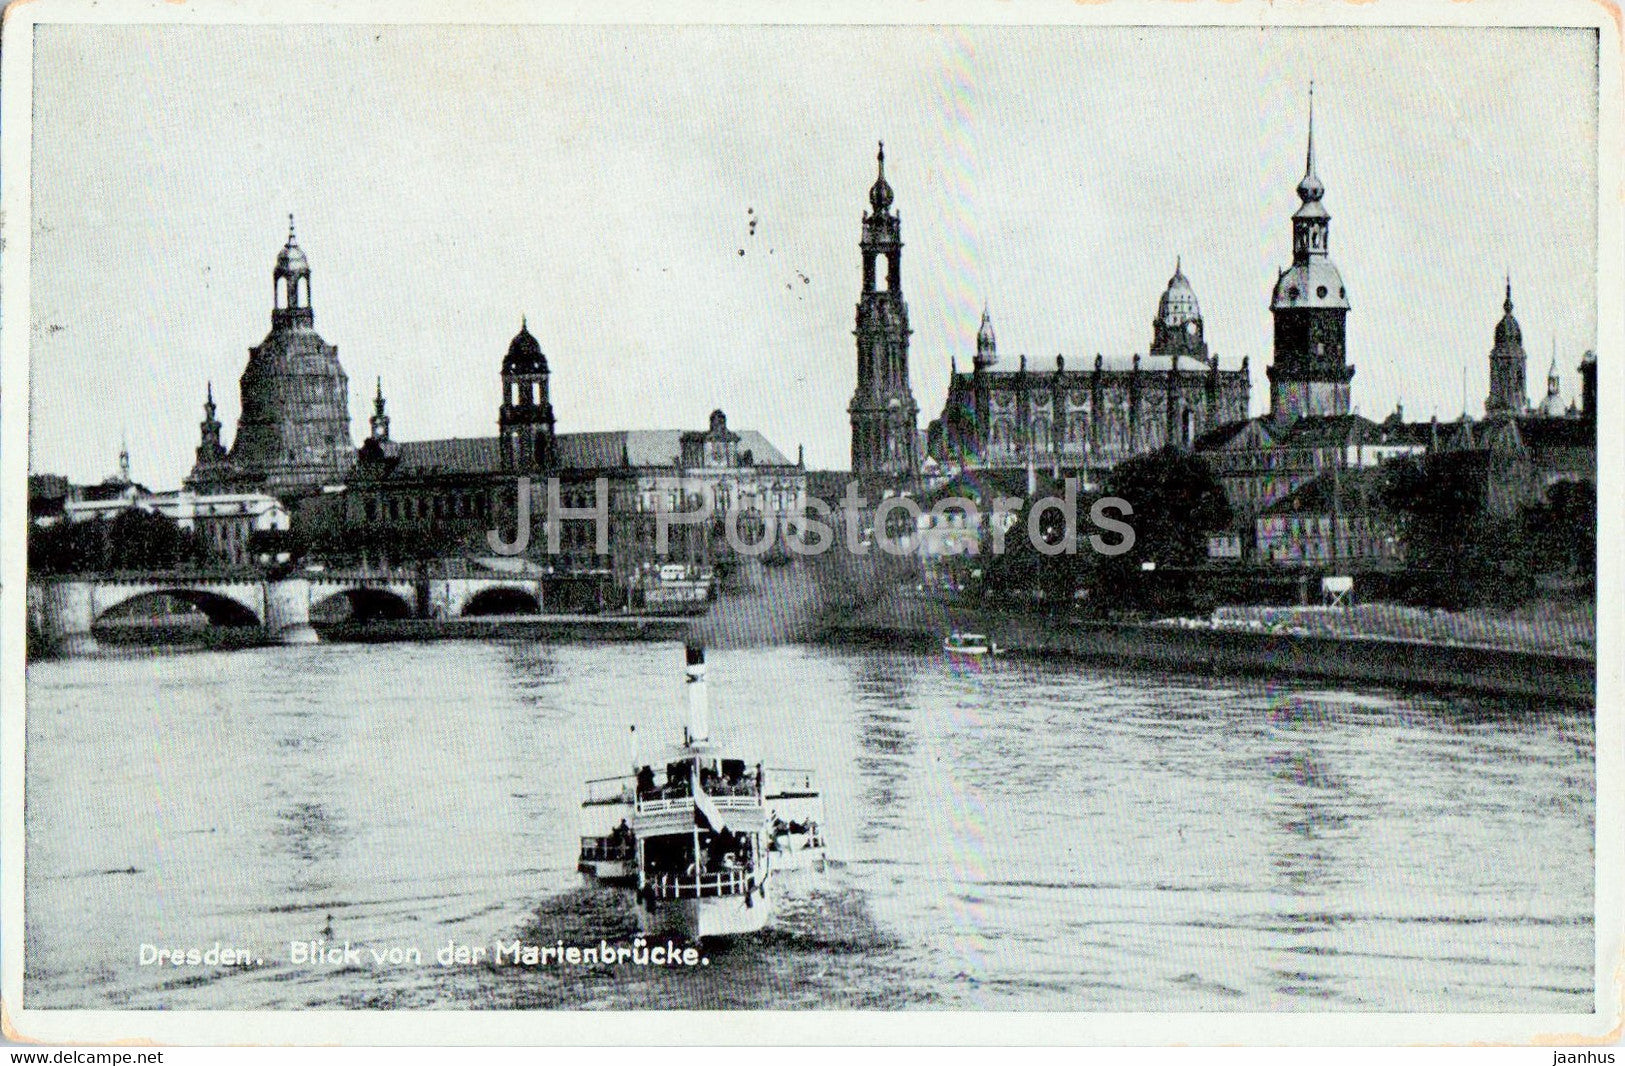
(66, 610)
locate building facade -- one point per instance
(443, 498)
(1084, 420)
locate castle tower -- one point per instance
(1310, 373)
(293, 436)
(525, 420)
(1508, 365)
(884, 415)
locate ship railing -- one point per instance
(605, 789)
(659, 803)
(606, 849)
(703, 886)
(783, 777)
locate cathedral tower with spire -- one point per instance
(885, 440)
(293, 436)
(1310, 372)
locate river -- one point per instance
(1027, 836)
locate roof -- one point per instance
(1355, 490)
(47, 486)
(1078, 367)
(1314, 282)
(1564, 432)
(457, 455)
(603, 450)
(1318, 431)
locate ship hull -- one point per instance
(609, 871)
(708, 918)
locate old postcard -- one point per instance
(900, 522)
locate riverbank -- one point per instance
(1204, 648)
(559, 627)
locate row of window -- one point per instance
(418, 508)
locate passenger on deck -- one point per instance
(646, 780)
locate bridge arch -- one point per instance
(502, 599)
(363, 604)
(218, 608)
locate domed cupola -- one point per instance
(880, 194)
(1508, 334)
(290, 283)
(1177, 329)
(1178, 305)
(524, 353)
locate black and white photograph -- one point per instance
(907, 519)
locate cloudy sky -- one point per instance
(603, 182)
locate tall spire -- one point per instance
(208, 402)
(290, 230)
(1310, 189)
(1309, 162)
(1507, 305)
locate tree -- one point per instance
(1177, 503)
(133, 539)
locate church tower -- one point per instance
(1509, 392)
(1177, 329)
(210, 468)
(885, 443)
(1310, 374)
(525, 420)
(293, 436)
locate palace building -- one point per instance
(393, 502)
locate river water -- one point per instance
(1030, 836)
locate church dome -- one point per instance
(1508, 334)
(1178, 304)
(1314, 282)
(524, 354)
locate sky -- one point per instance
(602, 182)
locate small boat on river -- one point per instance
(970, 645)
(701, 839)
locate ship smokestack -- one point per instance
(699, 707)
